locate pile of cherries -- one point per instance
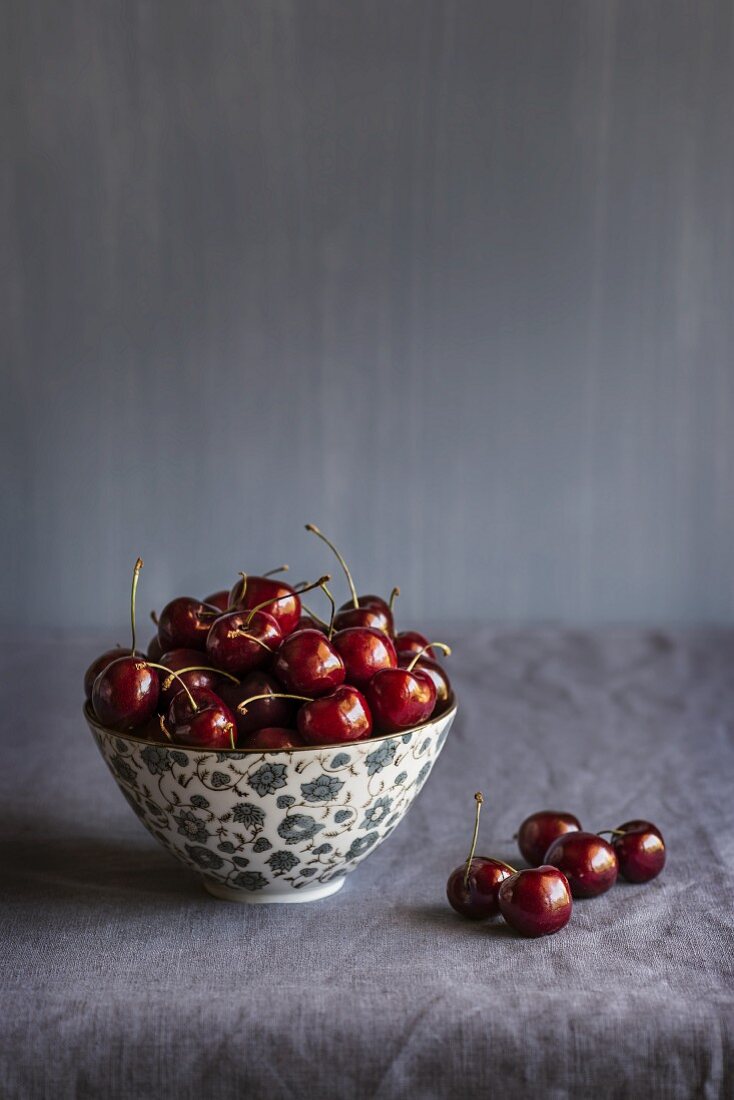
(566, 863)
(253, 668)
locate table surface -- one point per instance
(122, 978)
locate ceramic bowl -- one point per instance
(283, 826)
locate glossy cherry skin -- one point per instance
(640, 852)
(262, 712)
(308, 664)
(210, 726)
(219, 599)
(99, 664)
(184, 623)
(272, 738)
(477, 898)
(437, 673)
(411, 641)
(587, 860)
(537, 833)
(238, 643)
(307, 623)
(286, 612)
(364, 651)
(335, 719)
(400, 699)
(376, 614)
(185, 658)
(536, 901)
(125, 694)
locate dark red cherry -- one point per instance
(308, 664)
(208, 725)
(251, 592)
(272, 738)
(273, 711)
(587, 860)
(400, 699)
(373, 617)
(340, 717)
(364, 651)
(537, 833)
(184, 623)
(242, 640)
(411, 641)
(537, 901)
(219, 599)
(307, 623)
(476, 896)
(99, 664)
(177, 659)
(125, 694)
(154, 651)
(640, 850)
(437, 673)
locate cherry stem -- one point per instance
(431, 645)
(280, 569)
(240, 633)
(136, 573)
(244, 587)
(286, 596)
(183, 684)
(393, 596)
(164, 727)
(199, 668)
(479, 799)
(320, 534)
(242, 707)
(154, 617)
(332, 601)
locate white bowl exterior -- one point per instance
(274, 826)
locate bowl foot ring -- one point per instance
(287, 895)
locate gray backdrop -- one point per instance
(453, 280)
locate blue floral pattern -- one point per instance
(271, 823)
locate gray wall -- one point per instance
(452, 279)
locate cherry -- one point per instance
(189, 664)
(276, 597)
(370, 611)
(364, 651)
(537, 833)
(125, 693)
(184, 623)
(242, 640)
(219, 599)
(640, 850)
(587, 860)
(307, 663)
(308, 622)
(270, 710)
(200, 718)
(411, 641)
(99, 664)
(340, 717)
(154, 651)
(472, 887)
(272, 738)
(536, 901)
(401, 698)
(437, 673)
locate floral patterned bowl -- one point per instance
(275, 826)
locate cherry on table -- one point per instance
(364, 651)
(640, 850)
(587, 860)
(308, 664)
(536, 901)
(240, 641)
(539, 830)
(472, 887)
(184, 623)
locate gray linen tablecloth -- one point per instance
(122, 978)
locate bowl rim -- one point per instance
(173, 745)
